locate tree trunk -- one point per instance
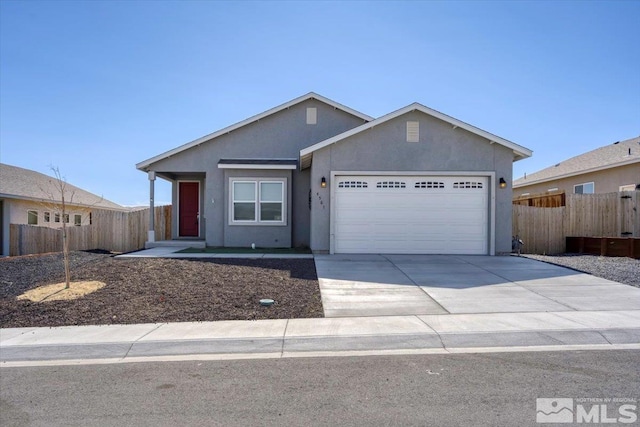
(65, 254)
(65, 247)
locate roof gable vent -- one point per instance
(312, 116)
(413, 131)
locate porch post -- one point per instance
(152, 233)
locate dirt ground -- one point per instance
(159, 290)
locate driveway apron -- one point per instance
(385, 285)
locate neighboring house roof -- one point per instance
(610, 156)
(519, 151)
(25, 184)
(311, 95)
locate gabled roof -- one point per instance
(610, 156)
(311, 95)
(25, 184)
(519, 151)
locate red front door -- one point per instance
(188, 202)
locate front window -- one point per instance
(260, 201)
(47, 216)
(244, 201)
(56, 217)
(271, 195)
(77, 219)
(586, 188)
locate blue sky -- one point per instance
(96, 87)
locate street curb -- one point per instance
(447, 342)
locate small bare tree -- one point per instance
(59, 195)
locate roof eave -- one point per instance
(576, 173)
(56, 202)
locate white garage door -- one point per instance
(411, 214)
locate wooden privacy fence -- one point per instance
(110, 230)
(605, 246)
(543, 230)
(548, 200)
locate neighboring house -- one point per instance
(614, 167)
(314, 173)
(29, 197)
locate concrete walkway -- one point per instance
(172, 252)
(379, 285)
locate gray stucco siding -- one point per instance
(441, 148)
(384, 148)
(281, 135)
(301, 216)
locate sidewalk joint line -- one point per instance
(602, 335)
(284, 334)
(139, 338)
(444, 347)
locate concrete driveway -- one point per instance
(392, 285)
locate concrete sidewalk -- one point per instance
(308, 337)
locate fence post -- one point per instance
(603, 246)
(20, 248)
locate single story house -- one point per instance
(315, 173)
(30, 197)
(614, 167)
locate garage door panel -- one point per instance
(411, 214)
(355, 230)
(425, 224)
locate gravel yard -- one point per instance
(618, 269)
(150, 290)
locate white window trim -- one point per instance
(552, 189)
(75, 216)
(628, 187)
(257, 182)
(583, 184)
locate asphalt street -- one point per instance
(496, 389)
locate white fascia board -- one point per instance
(576, 173)
(520, 151)
(248, 166)
(337, 105)
(311, 95)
